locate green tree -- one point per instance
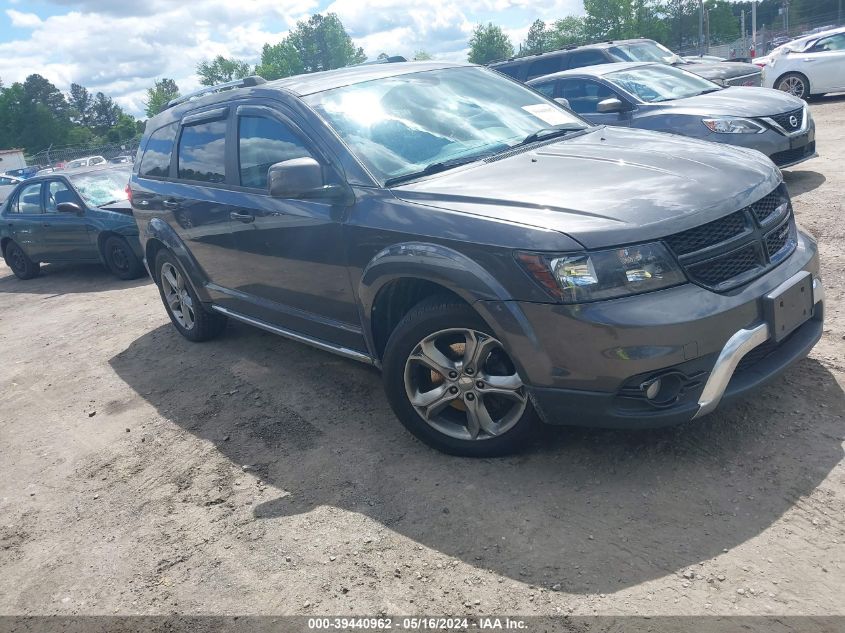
(80, 102)
(104, 114)
(279, 60)
(222, 69)
(566, 31)
(159, 95)
(488, 44)
(537, 40)
(319, 43)
(421, 56)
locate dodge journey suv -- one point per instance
(500, 260)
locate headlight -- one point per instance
(606, 274)
(733, 126)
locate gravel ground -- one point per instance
(143, 474)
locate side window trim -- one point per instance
(205, 117)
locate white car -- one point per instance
(89, 161)
(810, 65)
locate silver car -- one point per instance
(667, 99)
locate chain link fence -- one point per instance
(57, 156)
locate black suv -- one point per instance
(639, 50)
(501, 260)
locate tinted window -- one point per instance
(584, 95)
(263, 142)
(202, 152)
(511, 70)
(586, 58)
(156, 159)
(547, 89)
(57, 192)
(29, 200)
(545, 66)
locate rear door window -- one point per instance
(544, 66)
(263, 142)
(202, 152)
(586, 58)
(28, 201)
(156, 160)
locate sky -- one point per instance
(120, 47)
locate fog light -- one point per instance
(651, 388)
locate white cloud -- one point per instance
(23, 20)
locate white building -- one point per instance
(11, 159)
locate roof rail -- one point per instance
(253, 80)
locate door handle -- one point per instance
(242, 217)
(171, 204)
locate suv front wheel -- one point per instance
(453, 385)
(184, 308)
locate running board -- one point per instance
(299, 338)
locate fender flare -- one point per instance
(455, 272)
(158, 229)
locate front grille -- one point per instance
(739, 247)
(707, 234)
(785, 120)
(789, 156)
(716, 271)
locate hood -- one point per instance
(720, 70)
(738, 101)
(606, 187)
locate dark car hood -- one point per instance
(736, 101)
(606, 187)
(720, 70)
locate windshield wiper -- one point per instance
(105, 204)
(549, 132)
(434, 168)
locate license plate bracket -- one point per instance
(789, 305)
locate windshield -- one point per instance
(101, 187)
(645, 52)
(402, 125)
(656, 83)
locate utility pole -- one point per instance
(744, 37)
(701, 27)
(785, 10)
(754, 28)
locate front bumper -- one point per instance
(585, 364)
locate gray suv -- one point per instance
(500, 260)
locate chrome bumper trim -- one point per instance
(736, 348)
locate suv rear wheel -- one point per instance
(184, 308)
(453, 385)
(20, 263)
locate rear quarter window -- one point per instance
(156, 159)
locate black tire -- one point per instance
(20, 263)
(428, 318)
(790, 83)
(120, 259)
(203, 324)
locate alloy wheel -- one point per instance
(177, 296)
(793, 85)
(463, 384)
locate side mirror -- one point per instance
(69, 207)
(608, 106)
(295, 178)
(563, 102)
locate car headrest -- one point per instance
(64, 195)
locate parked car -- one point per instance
(498, 257)
(639, 50)
(121, 160)
(71, 216)
(807, 66)
(24, 172)
(89, 161)
(707, 59)
(667, 99)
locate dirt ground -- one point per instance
(143, 474)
